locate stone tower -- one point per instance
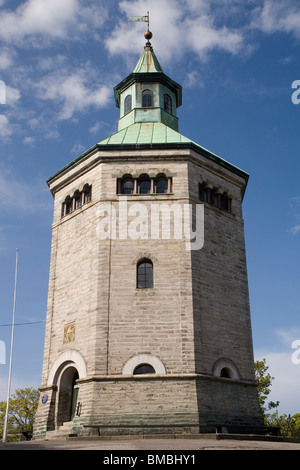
(148, 324)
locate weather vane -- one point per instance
(143, 19)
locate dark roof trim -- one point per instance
(161, 146)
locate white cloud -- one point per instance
(49, 63)
(29, 140)
(294, 204)
(203, 37)
(12, 95)
(39, 17)
(180, 25)
(97, 126)
(55, 19)
(294, 230)
(275, 16)
(288, 336)
(200, 26)
(77, 149)
(6, 58)
(73, 92)
(194, 79)
(44, 125)
(5, 127)
(286, 383)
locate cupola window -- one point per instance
(168, 104)
(127, 104)
(147, 99)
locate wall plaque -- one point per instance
(69, 332)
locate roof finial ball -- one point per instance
(148, 35)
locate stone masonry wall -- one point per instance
(196, 314)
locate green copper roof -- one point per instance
(149, 129)
(148, 62)
(145, 133)
(140, 134)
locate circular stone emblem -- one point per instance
(44, 399)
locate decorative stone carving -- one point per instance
(69, 333)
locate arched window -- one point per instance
(140, 360)
(203, 192)
(145, 274)
(127, 185)
(127, 104)
(144, 185)
(225, 372)
(143, 369)
(147, 99)
(161, 185)
(78, 199)
(225, 202)
(68, 205)
(87, 191)
(226, 369)
(168, 104)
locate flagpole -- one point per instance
(11, 351)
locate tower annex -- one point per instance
(145, 331)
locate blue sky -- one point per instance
(236, 61)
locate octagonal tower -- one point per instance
(148, 330)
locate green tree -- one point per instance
(22, 410)
(289, 425)
(264, 382)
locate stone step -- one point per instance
(65, 430)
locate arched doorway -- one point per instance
(67, 395)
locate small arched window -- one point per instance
(127, 185)
(145, 274)
(147, 99)
(78, 199)
(226, 369)
(144, 185)
(127, 104)
(87, 191)
(161, 185)
(68, 205)
(225, 372)
(143, 369)
(168, 103)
